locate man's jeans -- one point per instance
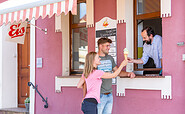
(105, 105)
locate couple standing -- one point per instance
(100, 100)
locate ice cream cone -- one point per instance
(125, 53)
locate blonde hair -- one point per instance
(88, 68)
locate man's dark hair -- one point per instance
(104, 40)
(149, 31)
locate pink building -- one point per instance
(141, 95)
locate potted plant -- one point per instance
(27, 103)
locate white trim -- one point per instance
(1, 78)
(32, 66)
(90, 13)
(129, 31)
(165, 8)
(65, 44)
(163, 84)
(65, 82)
(58, 23)
(16, 55)
(121, 10)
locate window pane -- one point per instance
(81, 14)
(79, 47)
(156, 24)
(147, 6)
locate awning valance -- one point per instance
(20, 10)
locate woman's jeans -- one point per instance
(89, 107)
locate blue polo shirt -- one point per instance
(154, 51)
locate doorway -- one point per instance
(24, 69)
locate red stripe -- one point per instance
(31, 13)
(74, 8)
(58, 8)
(37, 13)
(24, 15)
(66, 6)
(44, 12)
(7, 17)
(1, 21)
(51, 10)
(18, 16)
(12, 18)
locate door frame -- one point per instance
(32, 66)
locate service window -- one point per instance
(146, 13)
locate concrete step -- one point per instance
(14, 111)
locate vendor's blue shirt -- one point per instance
(154, 51)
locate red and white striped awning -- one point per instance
(37, 11)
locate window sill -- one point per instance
(162, 83)
(72, 80)
(142, 76)
(71, 76)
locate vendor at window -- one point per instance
(152, 50)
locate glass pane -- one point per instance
(147, 6)
(79, 48)
(156, 24)
(81, 14)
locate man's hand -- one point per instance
(131, 75)
(130, 60)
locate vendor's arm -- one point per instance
(123, 73)
(137, 61)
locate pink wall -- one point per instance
(136, 101)
(3, 1)
(49, 47)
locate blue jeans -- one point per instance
(89, 107)
(105, 105)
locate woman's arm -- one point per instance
(113, 75)
(84, 90)
(81, 82)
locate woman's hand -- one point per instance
(125, 62)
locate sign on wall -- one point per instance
(16, 32)
(107, 27)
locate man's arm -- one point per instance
(137, 61)
(123, 73)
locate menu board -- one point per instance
(106, 27)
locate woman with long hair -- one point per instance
(92, 77)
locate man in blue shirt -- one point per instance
(152, 49)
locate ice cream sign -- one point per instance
(105, 23)
(16, 32)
